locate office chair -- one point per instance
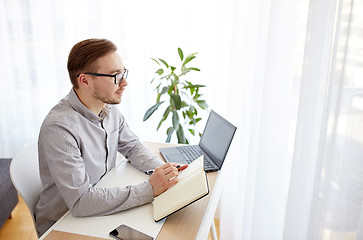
(24, 173)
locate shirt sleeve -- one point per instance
(134, 151)
(60, 150)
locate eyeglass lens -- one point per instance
(121, 76)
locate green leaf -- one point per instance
(196, 96)
(190, 86)
(164, 90)
(192, 131)
(151, 110)
(194, 69)
(160, 71)
(175, 120)
(185, 71)
(169, 132)
(191, 109)
(189, 58)
(158, 87)
(155, 61)
(161, 60)
(195, 86)
(176, 78)
(194, 121)
(176, 100)
(202, 103)
(190, 114)
(181, 55)
(184, 104)
(172, 68)
(165, 116)
(180, 135)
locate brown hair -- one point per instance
(84, 54)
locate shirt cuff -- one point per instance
(145, 192)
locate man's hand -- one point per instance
(164, 177)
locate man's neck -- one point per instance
(93, 105)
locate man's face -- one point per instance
(104, 88)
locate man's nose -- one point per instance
(123, 83)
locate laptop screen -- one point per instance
(217, 137)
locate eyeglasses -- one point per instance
(117, 77)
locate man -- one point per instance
(80, 137)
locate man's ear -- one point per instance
(83, 81)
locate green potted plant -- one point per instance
(181, 98)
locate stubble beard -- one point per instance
(107, 100)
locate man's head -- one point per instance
(83, 56)
(97, 73)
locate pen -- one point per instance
(149, 172)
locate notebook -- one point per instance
(192, 185)
(214, 144)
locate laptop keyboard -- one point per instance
(192, 152)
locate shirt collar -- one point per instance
(78, 106)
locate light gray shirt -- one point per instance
(76, 149)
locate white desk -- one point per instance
(192, 222)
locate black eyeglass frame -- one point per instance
(123, 75)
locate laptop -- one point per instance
(214, 144)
